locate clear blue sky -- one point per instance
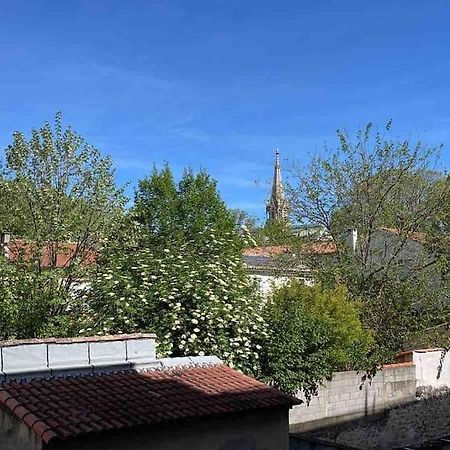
(221, 84)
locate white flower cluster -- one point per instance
(198, 301)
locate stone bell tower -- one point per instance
(277, 208)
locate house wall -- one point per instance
(346, 397)
(386, 246)
(258, 430)
(14, 435)
(432, 369)
(268, 283)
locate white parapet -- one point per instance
(73, 356)
(29, 360)
(38, 358)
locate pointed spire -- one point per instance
(277, 186)
(276, 207)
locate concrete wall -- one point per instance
(432, 369)
(268, 283)
(345, 397)
(258, 430)
(35, 358)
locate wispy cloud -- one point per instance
(93, 72)
(194, 134)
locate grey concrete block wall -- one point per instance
(346, 396)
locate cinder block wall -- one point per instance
(346, 397)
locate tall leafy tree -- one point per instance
(60, 202)
(178, 212)
(62, 189)
(156, 206)
(179, 273)
(371, 182)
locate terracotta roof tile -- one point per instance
(316, 248)
(413, 235)
(272, 250)
(320, 248)
(68, 407)
(65, 253)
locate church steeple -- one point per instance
(276, 208)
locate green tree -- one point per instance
(63, 190)
(370, 183)
(313, 331)
(201, 206)
(32, 304)
(179, 275)
(156, 206)
(276, 232)
(244, 221)
(178, 212)
(59, 199)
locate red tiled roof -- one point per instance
(413, 235)
(63, 408)
(316, 248)
(266, 250)
(65, 253)
(320, 248)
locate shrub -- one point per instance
(313, 331)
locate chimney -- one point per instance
(5, 239)
(46, 358)
(352, 239)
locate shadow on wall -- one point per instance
(419, 424)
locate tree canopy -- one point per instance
(179, 273)
(178, 212)
(313, 331)
(59, 197)
(389, 191)
(57, 188)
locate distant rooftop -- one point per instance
(50, 254)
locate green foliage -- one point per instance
(313, 331)
(55, 188)
(244, 221)
(156, 206)
(180, 212)
(275, 232)
(414, 306)
(439, 227)
(58, 188)
(372, 181)
(32, 304)
(198, 302)
(179, 273)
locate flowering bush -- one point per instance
(197, 301)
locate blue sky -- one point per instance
(221, 84)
